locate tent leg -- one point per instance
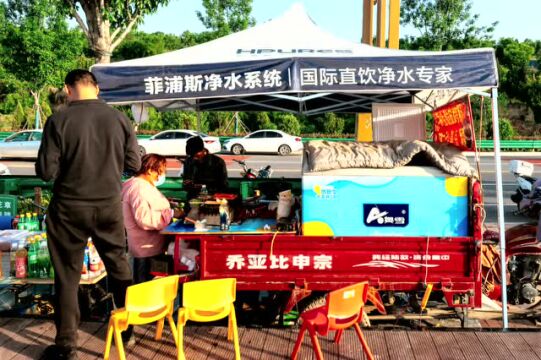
(499, 198)
(198, 121)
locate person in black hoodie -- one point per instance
(202, 168)
(85, 149)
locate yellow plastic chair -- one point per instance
(145, 303)
(208, 300)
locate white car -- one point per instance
(4, 170)
(173, 143)
(265, 141)
(23, 144)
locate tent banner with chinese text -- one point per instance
(453, 124)
(138, 83)
(309, 74)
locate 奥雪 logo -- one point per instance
(386, 215)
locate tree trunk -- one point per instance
(98, 32)
(37, 108)
(101, 36)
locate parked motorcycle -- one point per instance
(523, 258)
(528, 193)
(264, 172)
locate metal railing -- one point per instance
(529, 144)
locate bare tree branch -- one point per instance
(128, 12)
(78, 18)
(124, 33)
(81, 23)
(115, 34)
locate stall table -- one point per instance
(36, 281)
(187, 232)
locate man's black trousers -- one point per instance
(69, 225)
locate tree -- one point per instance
(333, 124)
(507, 132)
(288, 123)
(140, 44)
(223, 17)
(444, 25)
(534, 97)
(519, 76)
(514, 66)
(264, 121)
(38, 48)
(171, 120)
(107, 23)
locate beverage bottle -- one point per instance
(37, 242)
(84, 271)
(32, 259)
(35, 222)
(15, 223)
(12, 254)
(224, 215)
(43, 259)
(93, 258)
(43, 224)
(29, 226)
(22, 223)
(21, 262)
(29, 265)
(204, 191)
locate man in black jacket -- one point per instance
(85, 148)
(203, 168)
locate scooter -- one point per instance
(249, 173)
(528, 193)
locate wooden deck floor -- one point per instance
(26, 338)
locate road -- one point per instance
(290, 167)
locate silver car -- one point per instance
(23, 144)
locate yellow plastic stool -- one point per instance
(145, 303)
(208, 300)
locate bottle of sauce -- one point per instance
(224, 215)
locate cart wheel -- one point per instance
(311, 302)
(365, 322)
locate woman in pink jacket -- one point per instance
(146, 212)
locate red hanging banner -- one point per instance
(453, 124)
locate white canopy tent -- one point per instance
(290, 64)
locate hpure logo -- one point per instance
(386, 215)
(292, 51)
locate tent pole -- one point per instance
(198, 121)
(499, 198)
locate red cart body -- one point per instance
(288, 262)
(297, 263)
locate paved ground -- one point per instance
(26, 338)
(290, 167)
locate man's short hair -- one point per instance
(80, 76)
(194, 145)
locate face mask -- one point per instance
(160, 181)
